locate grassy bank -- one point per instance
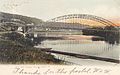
(16, 49)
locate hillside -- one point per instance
(15, 17)
(15, 48)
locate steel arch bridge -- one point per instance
(83, 16)
(60, 22)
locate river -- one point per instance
(83, 46)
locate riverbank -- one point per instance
(15, 49)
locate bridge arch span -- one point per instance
(83, 16)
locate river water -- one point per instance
(83, 46)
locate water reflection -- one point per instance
(106, 45)
(109, 34)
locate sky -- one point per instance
(48, 9)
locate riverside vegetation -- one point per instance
(17, 49)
